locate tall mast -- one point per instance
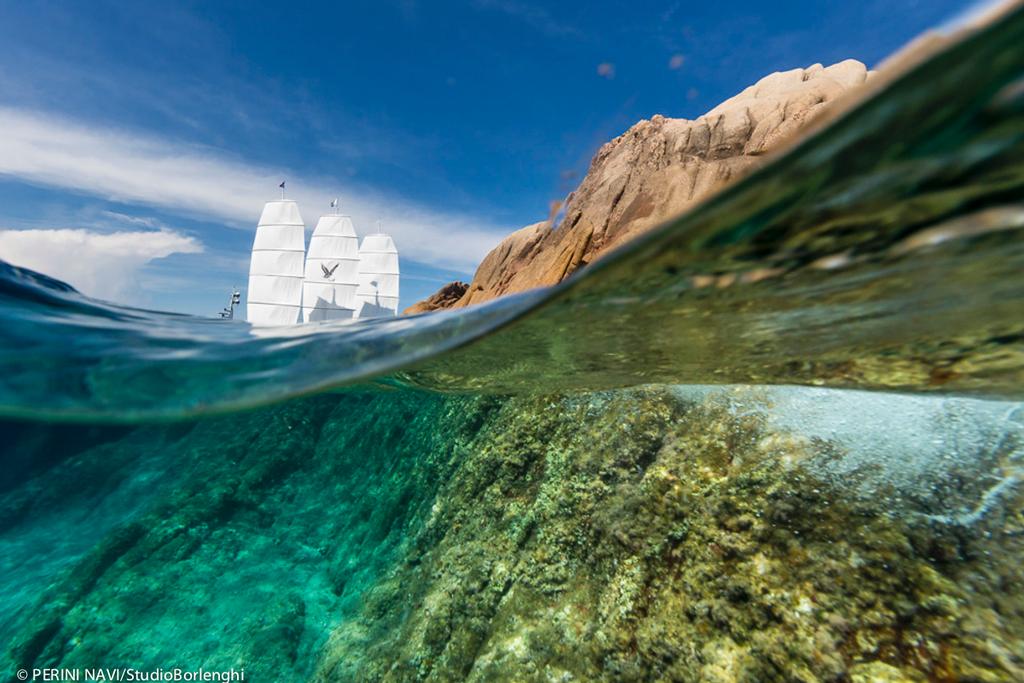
(228, 313)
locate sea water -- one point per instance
(778, 438)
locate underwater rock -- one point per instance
(658, 169)
(629, 535)
(263, 532)
(636, 536)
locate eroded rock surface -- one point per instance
(442, 298)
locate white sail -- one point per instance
(275, 271)
(332, 268)
(378, 277)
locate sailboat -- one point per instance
(339, 279)
(332, 267)
(377, 293)
(276, 267)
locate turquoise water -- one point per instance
(778, 438)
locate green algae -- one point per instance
(637, 535)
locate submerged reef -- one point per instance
(628, 536)
(636, 536)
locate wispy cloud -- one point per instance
(103, 265)
(116, 218)
(133, 168)
(537, 17)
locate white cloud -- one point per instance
(189, 180)
(102, 265)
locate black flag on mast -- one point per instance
(281, 185)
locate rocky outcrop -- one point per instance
(442, 298)
(637, 537)
(512, 256)
(646, 535)
(658, 169)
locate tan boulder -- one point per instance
(512, 255)
(658, 169)
(446, 297)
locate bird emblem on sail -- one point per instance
(328, 272)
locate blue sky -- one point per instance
(139, 139)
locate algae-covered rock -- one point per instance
(637, 536)
(266, 526)
(880, 672)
